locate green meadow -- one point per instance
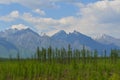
(55, 64)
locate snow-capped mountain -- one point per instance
(27, 40)
(106, 39)
(77, 40)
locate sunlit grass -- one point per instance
(35, 70)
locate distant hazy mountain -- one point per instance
(7, 48)
(106, 39)
(26, 41)
(77, 40)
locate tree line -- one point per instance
(68, 55)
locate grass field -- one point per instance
(76, 70)
(54, 64)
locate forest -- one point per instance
(62, 64)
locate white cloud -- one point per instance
(98, 17)
(31, 3)
(39, 11)
(5, 1)
(38, 3)
(19, 26)
(42, 24)
(14, 14)
(102, 11)
(10, 17)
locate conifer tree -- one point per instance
(18, 56)
(10, 56)
(105, 55)
(95, 56)
(114, 55)
(49, 53)
(38, 53)
(83, 51)
(69, 53)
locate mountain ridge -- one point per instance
(106, 39)
(27, 41)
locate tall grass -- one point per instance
(62, 64)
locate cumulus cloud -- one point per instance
(39, 11)
(103, 11)
(31, 3)
(43, 24)
(98, 17)
(10, 17)
(38, 3)
(19, 27)
(14, 14)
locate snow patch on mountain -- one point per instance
(27, 40)
(19, 27)
(106, 39)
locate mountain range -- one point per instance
(26, 41)
(106, 39)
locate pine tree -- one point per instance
(105, 55)
(83, 51)
(50, 53)
(95, 56)
(114, 55)
(44, 54)
(69, 53)
(38, 53)
(18, 56)
(10, 57)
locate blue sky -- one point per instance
(49, 16)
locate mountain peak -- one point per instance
(19, 27)
(60, 35)
(76, 32)
(97, 36)
(62, 32)
(102, 36)
(107, 39)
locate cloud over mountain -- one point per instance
(101, 16)
(96, 17)
(19, 26)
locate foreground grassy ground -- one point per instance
(76, 70)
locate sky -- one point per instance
(89, 17)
